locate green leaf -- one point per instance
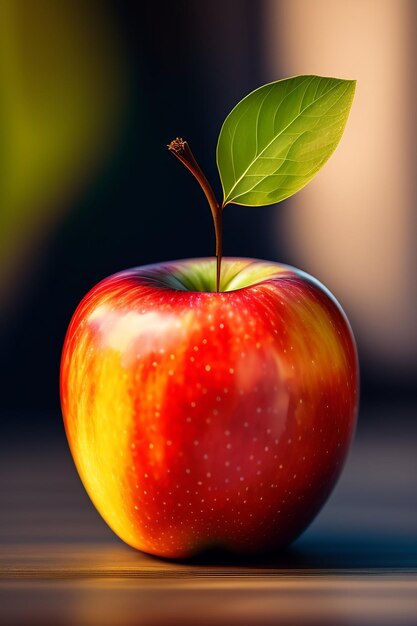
(277, 138)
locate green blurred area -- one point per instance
(63, 92)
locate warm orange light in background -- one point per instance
(62, 95)
(352, 226)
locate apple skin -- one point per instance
(200, 419)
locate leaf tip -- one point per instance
(352, 84)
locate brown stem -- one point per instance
(182, 151)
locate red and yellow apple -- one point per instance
(201, 419)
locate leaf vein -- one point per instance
(257, 118)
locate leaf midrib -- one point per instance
(227, 199)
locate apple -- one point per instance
(199, 418)
(209, 405)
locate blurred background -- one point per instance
(91, 93)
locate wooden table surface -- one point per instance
(356, 564)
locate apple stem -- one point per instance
(182, 151)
